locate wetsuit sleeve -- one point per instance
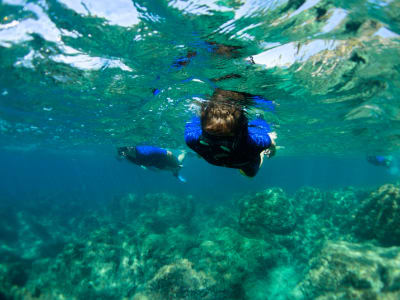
(193, 132)
(150, 151)
(151, 156)
(258, 137)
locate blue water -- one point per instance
(80, 78)
(98, 177)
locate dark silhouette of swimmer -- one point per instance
(224, 136)
(380, 160)
(153, 157)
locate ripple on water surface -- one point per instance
(91, 72)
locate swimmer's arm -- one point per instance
(271, 150)
(173, 158)
(193, 133)
(170, 155)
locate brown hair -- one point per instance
(221, 116)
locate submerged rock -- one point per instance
(232, 259)
(379, 216)
(168, 210)
(352, 271)
(178, 281)
(26, 236)
(155, 212)
(161, 246)
(336, 205)
(311, 200)
(270, 211)
(343, 204)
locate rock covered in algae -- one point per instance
(110, 262)
(115, 261)
(345, 270)
(103, 265)
(170, 210)
(28, 233)
(323, 215)
(125, 207)
(310, 200)
(112, 252)
(178, 281)
(343, 204)
(232, 260)
(270, 211)
(335, 207)
(159, 246)
(156, 211)
(379, 216)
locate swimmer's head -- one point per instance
(223, 115)
(222, 119)
(126, 151)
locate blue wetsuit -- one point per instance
(150, 156)
(241, 152)
(380, 160)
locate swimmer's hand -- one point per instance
(273, 136)
(272, 149)
(269, 152)
(182, 156)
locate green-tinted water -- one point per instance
(80, 77)
(78, 73)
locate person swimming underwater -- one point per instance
(223, 135)
(153, 157)
(381, 160)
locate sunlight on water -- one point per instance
(331, 68)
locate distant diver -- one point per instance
(223, 135)
(381, 160)
(153, 157)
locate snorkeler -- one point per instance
(381, 160)
(224, 136)
(153, 157)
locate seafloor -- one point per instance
(314, 244)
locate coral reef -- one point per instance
(345, 270)
(178, 281)
(233, 260)
(168, 211)
(379, 216)
(335, 206)
(267, 212)
(28, 235)
(161, 246)
(157, 211)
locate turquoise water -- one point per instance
(80, 78)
